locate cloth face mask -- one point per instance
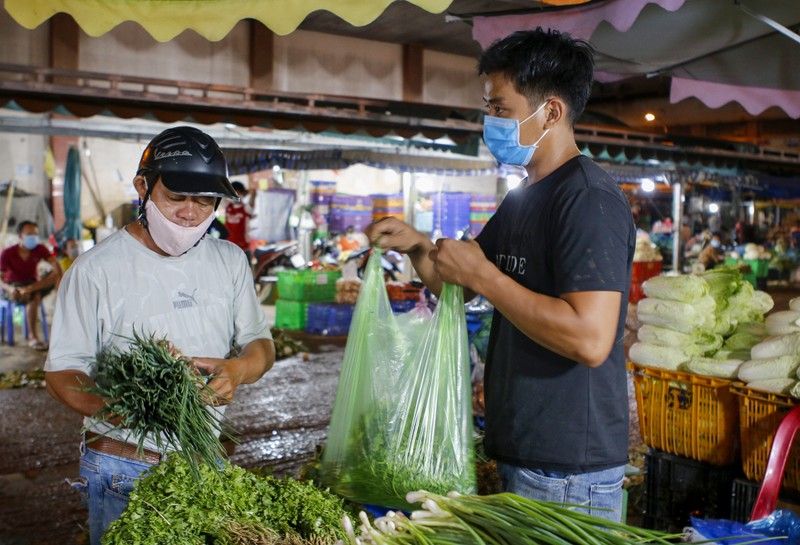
(171, 237)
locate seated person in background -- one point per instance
(19, 277)
(69, 253)
(697, 242)
(712, 254)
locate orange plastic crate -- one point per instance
(760, 413)
(688, 415)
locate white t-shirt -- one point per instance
(203, 302)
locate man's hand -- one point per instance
(393, 234)
(461, 263)
(254, 360)
(224, 376)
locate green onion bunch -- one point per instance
(158, 392)
(496, 519)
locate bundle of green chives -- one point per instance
(499, 519)
(159, 393)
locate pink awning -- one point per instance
(717, 51)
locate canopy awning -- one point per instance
(241, 161)
(85, 94)
(212, 19)
(717, 51)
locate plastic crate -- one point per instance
(744, 494)
(677, 488)
(399, 307)
(642, 270)
(307, 285)
(688, 415)
(331, 319)
(760, 414)
(636, 293)
(760, 267)
(290, 314)
(405, 291)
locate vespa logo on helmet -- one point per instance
(168, 154)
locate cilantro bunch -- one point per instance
(225, 507)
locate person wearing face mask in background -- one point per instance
(69, 253)
(162, 276)
(555, 261)
(712, 254)
(19, 276)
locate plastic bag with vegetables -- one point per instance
(402, 416)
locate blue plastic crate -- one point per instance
(332, 319)
(402, 306)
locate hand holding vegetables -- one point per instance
(228, 374)
(158, 393)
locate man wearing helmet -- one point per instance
(159, 275)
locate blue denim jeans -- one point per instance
(599, 491)
(106, 481)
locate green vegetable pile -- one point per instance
(494, 520)
(286, 346)
(226, 507)
(22, 379)
(160, 393)
(704, 324)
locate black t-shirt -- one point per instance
(571, 231)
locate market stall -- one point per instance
(715, 371)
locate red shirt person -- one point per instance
(237, 217)
(19, 276)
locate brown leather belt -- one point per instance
(115, 447)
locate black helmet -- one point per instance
(189, 162)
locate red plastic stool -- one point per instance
(776, 464)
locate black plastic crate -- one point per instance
(677, 488)
(744, 494)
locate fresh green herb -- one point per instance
(493, 520)
(226, 507)
(158, 392)
(391, 464)
(22, 379)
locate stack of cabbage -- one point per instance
(704, 324)
(775, 363)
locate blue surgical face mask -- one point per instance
(30, 241)
(715, 244)
(502, 138)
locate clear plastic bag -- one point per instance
(402, 418)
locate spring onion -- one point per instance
(159, 393)
(496, 519)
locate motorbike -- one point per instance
(268, 260)
(391, 262)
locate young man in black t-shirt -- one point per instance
(555, 261)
